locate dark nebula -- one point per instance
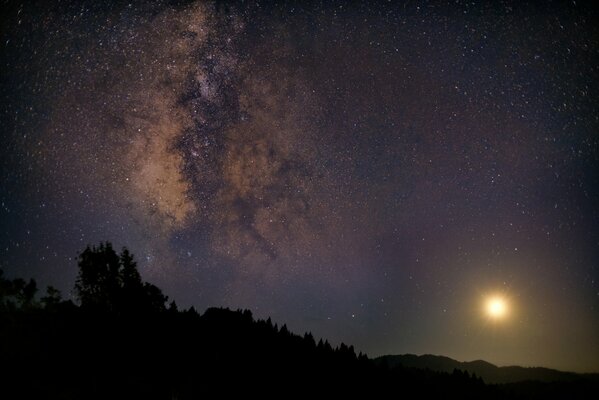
(366, 172)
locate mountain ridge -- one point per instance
(490, 373)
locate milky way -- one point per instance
(365, 172)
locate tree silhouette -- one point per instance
(110, 282)
(16, 293)
(67, 352)
(52, 298)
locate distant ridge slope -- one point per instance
(488, 372)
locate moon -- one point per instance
(496, 308)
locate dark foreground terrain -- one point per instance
(488, 372)
(123, 341)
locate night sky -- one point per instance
(369, 172)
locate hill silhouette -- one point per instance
(488, 372)
(122, 341)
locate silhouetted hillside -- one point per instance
(71, 353)
(488, 372)
(123, 342)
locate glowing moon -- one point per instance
(496, 307)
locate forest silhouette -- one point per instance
(122, 339)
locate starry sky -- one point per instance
(370, 172)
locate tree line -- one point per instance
(122, 339)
